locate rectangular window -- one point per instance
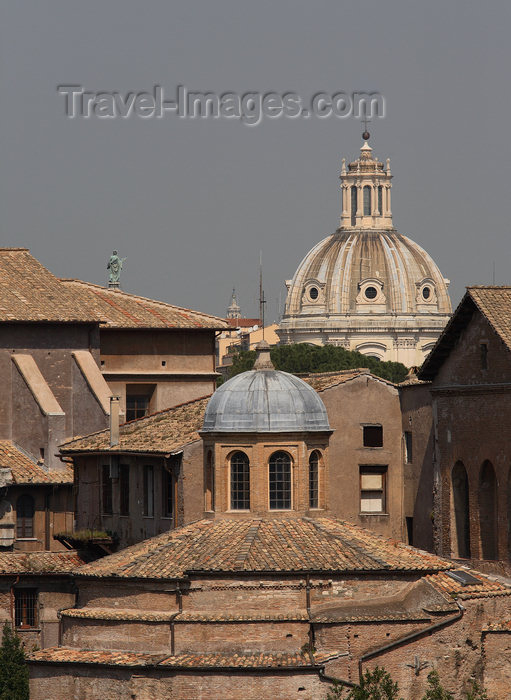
(408, 447)
(136, 407)
(373, 436)
(148, 491)
(124, 489)
(372, 489)
(409, 530)
(484, 355)
(25, 608)
(106, 490)
(168, 494)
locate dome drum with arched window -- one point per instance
(265, 437)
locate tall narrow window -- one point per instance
(106, 490)
(408, 447)
(25, 607)
(353, 206)
(280, 481)
(168, 494)
(367, 200)
(484, 355)
(488, 516)
(372, 489)
(380, 200)
(148, 491)
(25, 516)
(240, 482)
(460, 524)
(209, 483)
(124, 489)
(314, 480)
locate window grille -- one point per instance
(25, 607)
(280, 481)
(240, 482)
(314, 480)
(367, 200)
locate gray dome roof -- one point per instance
(265, 401)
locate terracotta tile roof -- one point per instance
(326, 380)
(161, 433)
(118, 309)
(29, 292)
(39, 562)
(495, 304)
(503, 626)
(243, 322)
(25, 470)
(136, 615)
(486, 588)
(258, 545)
(64, 655)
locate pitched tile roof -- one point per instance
(289, 544)
(63, 655)
(495, 305)
(484, 588)
(160, 433)
(118, 309)
(39, 562)
(136, 615)
(29, 292)
(25, 470)
(325, 380)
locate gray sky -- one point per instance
(191, 202)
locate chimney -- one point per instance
(114, 420)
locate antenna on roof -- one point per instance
(262, 301)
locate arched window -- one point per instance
(380, 200)
(367, 200)
(488, 511)
(280, 481)
(353, 205)
(209, 483)
(460, 523)
(240, 482)
(314, 480)
(25, 516)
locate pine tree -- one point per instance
(13, 667)
(476, 692)
(436, 691)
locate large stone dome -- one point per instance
(264, 400)
(366, 286)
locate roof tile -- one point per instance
(25, 470)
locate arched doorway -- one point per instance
(460, 523)
(488, 511)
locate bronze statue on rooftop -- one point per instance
(115, 266)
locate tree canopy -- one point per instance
(305, 359)
(13, 668)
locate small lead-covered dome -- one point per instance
(265, 400)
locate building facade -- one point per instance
(268, 595)
(367, 287)
(470, 370)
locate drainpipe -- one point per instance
(12, 600)
(114, 421)
(410, 637)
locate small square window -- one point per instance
(373, 436)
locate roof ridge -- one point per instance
(109, 290)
